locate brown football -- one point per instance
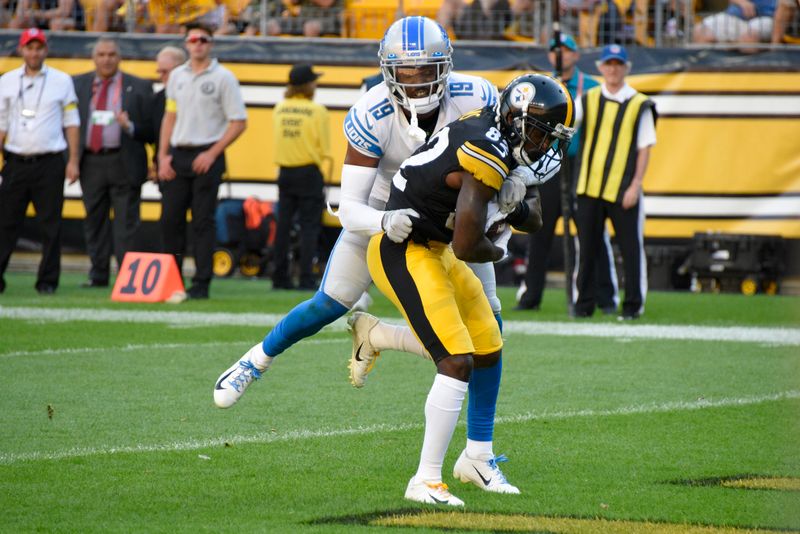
(496, 229)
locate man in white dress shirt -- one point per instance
(38, 122)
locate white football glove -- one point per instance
(493, 214)
(511, 193)
(397, 224)
(502, 240)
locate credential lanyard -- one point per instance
(38, 99)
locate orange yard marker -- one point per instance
(146, 277)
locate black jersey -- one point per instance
(473, 144)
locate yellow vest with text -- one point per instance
(608, 141)
(301, 132)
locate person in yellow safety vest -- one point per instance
(618, 131)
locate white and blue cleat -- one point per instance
(232, 384)
(484, 473)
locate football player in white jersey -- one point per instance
(419, 96)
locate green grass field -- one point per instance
(687, 419)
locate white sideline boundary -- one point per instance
(243, 345)
(767, 335)
(297, 435)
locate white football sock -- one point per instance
(385, 336)
(479, 450)
(441, 415)
(258, 357)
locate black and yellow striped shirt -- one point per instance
(609, 144)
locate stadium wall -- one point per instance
(728, 152)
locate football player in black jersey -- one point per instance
(452, 182)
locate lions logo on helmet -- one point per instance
(536, 113)
(421, 44)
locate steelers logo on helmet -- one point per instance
(522, 95)
(535, 114)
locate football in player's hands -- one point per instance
(496, 228)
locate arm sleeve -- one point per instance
(482, 160)
(578, 113)
(71, 117)
(232, 101)
(5, 103)
(647, 129)
(491, 93)
(170, 104)
(355, 214)
(358, 125)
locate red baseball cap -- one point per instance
(32, 34)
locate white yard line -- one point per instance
(768, 335)
(293, 435)
(152, 346)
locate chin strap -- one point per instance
(414, 131)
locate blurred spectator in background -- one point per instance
(310, 18)
(38, 122)
(784, 14)
(479, 19)
(167, 59)
(204, 114)
(523, 22)
(171, 16)
(7, 9)
(44, 14)
(301, 136)
(559, 193)
(116, 122)
(112, 15)
(612, 27)
(101, 15)
(744, 21)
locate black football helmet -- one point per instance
(535, 113)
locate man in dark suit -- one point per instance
(116, 122)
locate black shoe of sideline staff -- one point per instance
(45, 289)
(197, 292)
(94, 283)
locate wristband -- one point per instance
(519, 215)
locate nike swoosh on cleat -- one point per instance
(359, 352)
(439, 501)
(485, 482)
(222, 379)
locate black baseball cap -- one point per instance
(302, 74)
